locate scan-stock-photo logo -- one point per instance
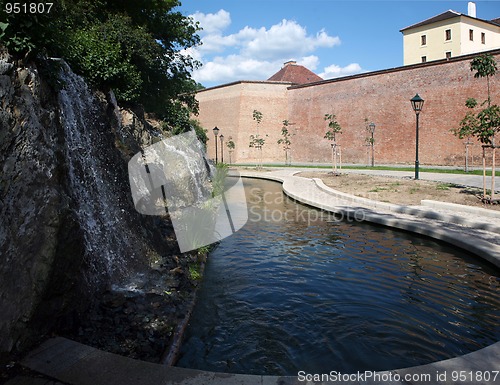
(173, 175)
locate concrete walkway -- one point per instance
(77, 364)
(458, 179)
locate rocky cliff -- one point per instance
(68, 227)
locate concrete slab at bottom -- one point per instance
(78, 364)
(25, 380)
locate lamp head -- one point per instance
(417, 103)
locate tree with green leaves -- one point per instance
(334, 128)
(135, 47)
(256, 141)
(485, 123)
(195, 126)
(231, 146)
(285, 141)
(369, 139)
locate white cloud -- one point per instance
(335, 71)
(235, 67)
(213, 23)
(257, 53)
(285, 39)
(310, 62)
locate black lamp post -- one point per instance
(221, 148)
(216, 132)
(372, 142)
(417, 103)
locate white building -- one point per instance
(448, 35)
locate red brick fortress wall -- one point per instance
(230, 108)
(384, 98)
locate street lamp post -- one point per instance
(372, 142)
(216, 133)
(417, 103)
(221, 148)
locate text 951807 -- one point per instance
(33, 8)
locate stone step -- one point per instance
(77, 364)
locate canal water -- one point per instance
(299, 290)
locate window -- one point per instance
(424, 40)
(448, 34)
(483, 38)
(448, 55)
(471, 35)
(424, 59)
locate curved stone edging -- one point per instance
(419, 212)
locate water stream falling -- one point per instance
(92, 178)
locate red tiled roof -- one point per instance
(294, 73)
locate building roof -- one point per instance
(294, 73)
(445, 16)
(496, 21)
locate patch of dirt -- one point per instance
(400, 191)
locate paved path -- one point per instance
(458, 179)
(77, 364)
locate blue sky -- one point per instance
(250, 40)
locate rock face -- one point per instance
(67, 222)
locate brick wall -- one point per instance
(231, 107)
(382, 97)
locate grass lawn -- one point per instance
(388, 168)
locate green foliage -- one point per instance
(135, 47)
(230, 144)
(257, 116)
(484, 65)
(489, 123)
(444, 186)
(221, 172)
(256, 141)
(203, 250)
(333, 127)
(192, 124)
(103, 61)
(201, 133)
(471, 103)
(483, 124)
(194, 271)
(285, 141)
(468, 126)
(24, 34)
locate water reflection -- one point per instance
(287, 294)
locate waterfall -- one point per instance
(100, 208)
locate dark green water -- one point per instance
(295, 290)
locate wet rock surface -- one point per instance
(139, 317)
(66, 266)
